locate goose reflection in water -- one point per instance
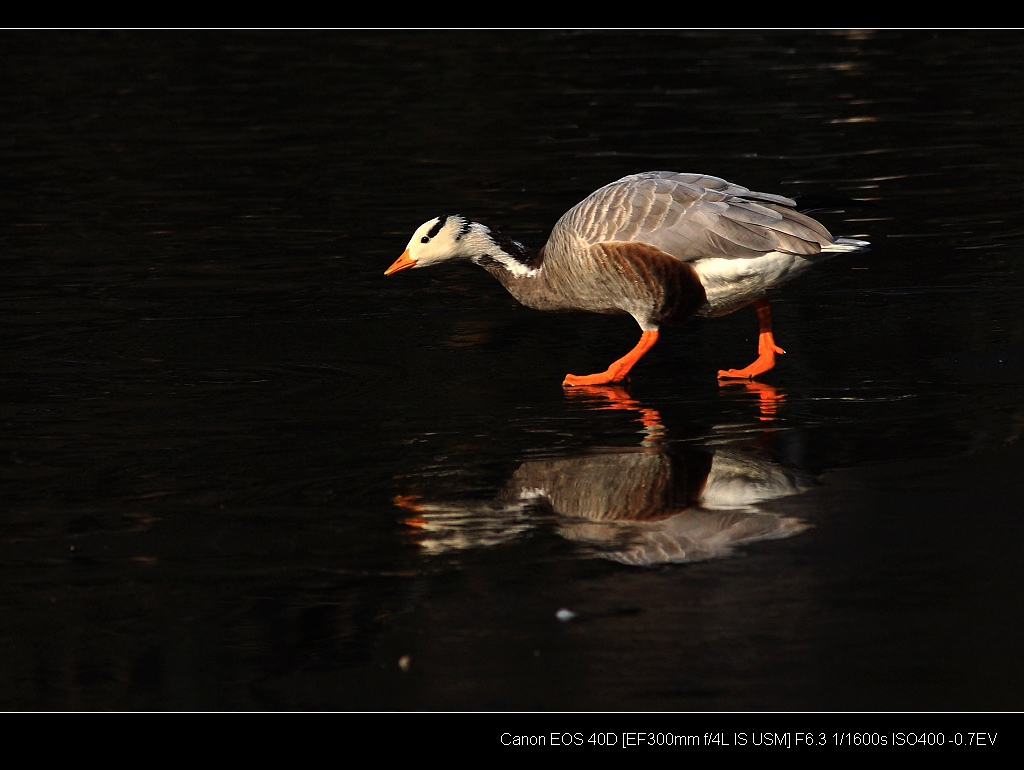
(649, 504)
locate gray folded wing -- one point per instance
(691, 216)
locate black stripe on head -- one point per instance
(437, 227)
(443, 220)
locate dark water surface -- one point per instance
(241, 470)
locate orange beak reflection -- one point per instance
(404, 262)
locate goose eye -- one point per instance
(424, 239)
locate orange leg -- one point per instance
(766, 347)
(617, 371)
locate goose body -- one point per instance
(660, 246)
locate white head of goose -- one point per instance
(660, 246)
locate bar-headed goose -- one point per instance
(660, 246)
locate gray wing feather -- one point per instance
(691, 216)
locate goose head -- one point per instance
(450, 237)
(444, 239)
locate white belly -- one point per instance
(732, 283)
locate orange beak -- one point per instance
(404, 262)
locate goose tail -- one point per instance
(846, 245)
